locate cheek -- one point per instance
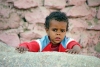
(49, 33)
(64, 34)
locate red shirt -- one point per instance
(44, 44)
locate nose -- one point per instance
(58, 32)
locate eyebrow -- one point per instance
(60, 29)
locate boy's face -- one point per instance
(56, 31)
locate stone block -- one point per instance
(25, 4)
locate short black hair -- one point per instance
(57, 15)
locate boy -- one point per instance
(56, 25)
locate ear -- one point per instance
(46, 30)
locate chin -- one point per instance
(57, 42)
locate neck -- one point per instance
(55, 44)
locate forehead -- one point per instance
(60, 24)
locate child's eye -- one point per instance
(62, 30)
(55, 30)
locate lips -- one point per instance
(57, 38)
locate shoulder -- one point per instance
(43, 39)
(66, 41)
(43, 42)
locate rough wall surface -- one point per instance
(49, 59)
(11, 58)
(23, 20)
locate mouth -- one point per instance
(57, 38)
